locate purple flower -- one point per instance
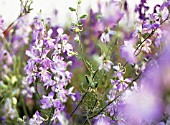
(37, 119)
(159, 37)
(26, 89)
(48, 65)
(104, 64)
(119, 71)
(146, 46)
(49, 83)
(102, 120)
(34, 54)
(47, 101)
(121, 83)
(20, 34)
(105, 37)
(44, 74)
(144, 104)
(127, 52)
(163, 11)
(61, 117)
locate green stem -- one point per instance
(24, 107)
(79, 103)
(115, 98)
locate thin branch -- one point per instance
(115, 97)
(79, 103)
(147, 38)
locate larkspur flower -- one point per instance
(142, 8)
(105, 37)
(146, 46)
(9, 110)
(27, 90)
(151, 24)
(127, 52)
(47, 65)
(102, 120)
(47, 101)
(121, 83)
(159, 37)
(104, 63)
(119, 70)
(61, 118)
(145, 106)
(20, 34)
(37, 119)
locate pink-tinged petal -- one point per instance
(51, 95)
(128, 80)
(128, 54)
(148, 42)
(60, 31)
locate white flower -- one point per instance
(105, 64)
(105, 37)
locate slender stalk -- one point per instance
(36, 89)
(114, 99)
(146, 39)
(79, 103)
(52, 111)
(24, 107)
(11, 25)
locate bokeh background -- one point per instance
(9, 9)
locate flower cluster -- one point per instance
(118, 62)
(48, 66)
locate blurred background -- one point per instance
(9, 9)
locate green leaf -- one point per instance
(99, 16)
(83, 16)
(72, 9)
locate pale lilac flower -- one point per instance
(119, 70)
(105, 37)
(37, 119)
(34, 54)
(102, 120)
(159, 37)
(8, 109)
(71, 94)
(121, 83)
(48, 65)
(61, 118)
(49, 83)
(146, 46)
(127, 52)
(163, 11)
(47, 101)
(44, 74)
(60, 31)
(26, 89)
(138, 29)
(20, 34)
(144, 104)
(104, 63)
